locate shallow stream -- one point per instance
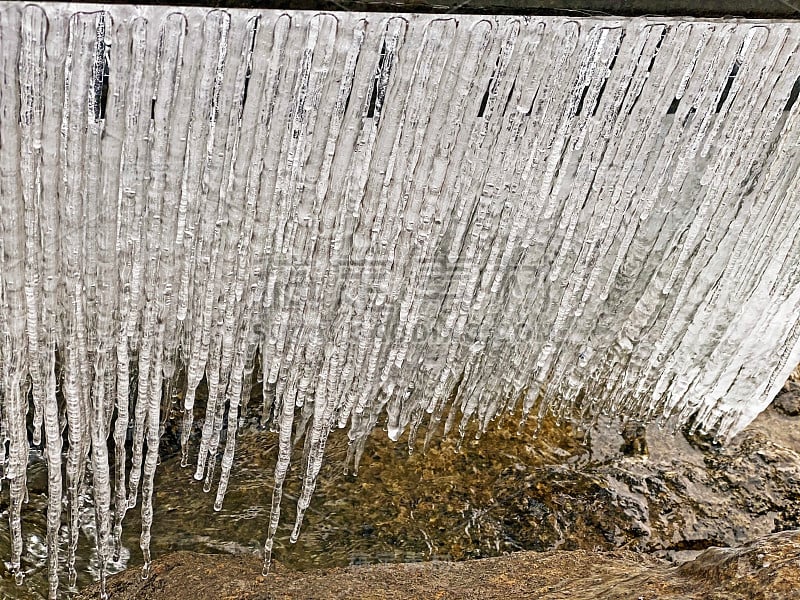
(555, 488)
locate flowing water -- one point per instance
(399, 508)
(566, 489)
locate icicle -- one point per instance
(400, 218)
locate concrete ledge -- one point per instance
(761, 9)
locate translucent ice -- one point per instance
(402, 220)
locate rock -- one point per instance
(634, 434)
(788, 399)
(765, 569)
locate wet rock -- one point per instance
(688, 499)
(765, 569)
(566, 509)
(690, 494)
(788, 400)
(634, 434)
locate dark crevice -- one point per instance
(616, 54)
(530, 108)
(694, 545)
(580, 102)
(529, 112)
(485, 99)
(793, 95)
(559, 166)
(246, 85)
(728, 84)
(689, 115)
(649, 70)
(373, 99)
(608, 74)
(100, 70)
(347, 100)
(610, 68)
(510, 95)
(248, 74)
(655, 52)
(599, 97)
(153, 108)
(605, 81)
(673, 107)
(103, 100)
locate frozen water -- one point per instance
(404, 221)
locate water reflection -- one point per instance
(400, 507)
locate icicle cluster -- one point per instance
(400, 219)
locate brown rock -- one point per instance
(788, 400)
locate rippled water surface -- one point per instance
(400, 507)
